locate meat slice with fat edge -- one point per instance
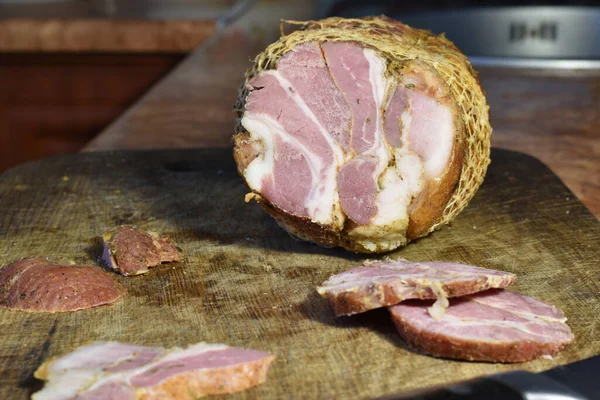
(121, 371)
(383, 283)
(38, 285)
(495, 326)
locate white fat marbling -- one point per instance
(436, 128)
(323, 194)
(400, 184)
(72, 374)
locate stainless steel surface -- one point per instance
(535, 63)
(532, 32)
(562, 37)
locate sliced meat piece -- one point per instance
(111, 370)
(37, 285)
(495, 326)
(362, 133)
(131, 251)
(384, 283)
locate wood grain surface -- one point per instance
(245, 282)
(552, 115)
(56, 103)
(103, 35)
(190, 107)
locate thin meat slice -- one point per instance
(384, 283)
(131, 251)
(495, 326)
(112, 370)
(37, 285)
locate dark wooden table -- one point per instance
(551, 115)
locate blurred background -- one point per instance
(86, 75)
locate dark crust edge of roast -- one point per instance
(427, 210)
(448, 347)
(351, 302)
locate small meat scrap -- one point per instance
(112, 370)
(494, 326)
(37, 285)
(131, 251)
(383, 283)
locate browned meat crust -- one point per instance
(37, 285)
(202, 383)
(132, 251)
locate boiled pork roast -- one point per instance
(362, 133)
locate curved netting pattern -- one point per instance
(399, 43)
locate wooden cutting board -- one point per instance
(245, 282)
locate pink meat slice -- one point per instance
(305, 68)
(120, 371)
(384, 283)
(350, 70)
(357, 189)
(495, 326)
(37, 285)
